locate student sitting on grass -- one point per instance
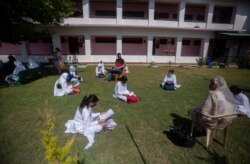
(32, 64)
(87, 122)
(100, 70)
(73, 77)
(122, 93)
(241, 100)
(62, 88)
(14, 76)
(170, 82)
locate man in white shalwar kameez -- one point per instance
(61, 87)
(85, 121)
(121, 90)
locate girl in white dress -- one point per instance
(170, 80)
(241, 100)
(122, 93)
(86, 122)
(62, 88)
(100, 70)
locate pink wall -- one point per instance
(103, 48)
(135, 49)
(191, 50)
(165, 49)
(7, 48)
(136, 7)
(40, 48)
(109, 6)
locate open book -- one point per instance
(106, 115)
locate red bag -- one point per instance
(132, 99)
(76, 90)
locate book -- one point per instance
(106, 115)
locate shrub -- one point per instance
(54, 153)
(201, 61)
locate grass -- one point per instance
(139, 136)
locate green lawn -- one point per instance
(139, 135)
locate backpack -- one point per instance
(180, 136)
(132, 99)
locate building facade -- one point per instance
(144, 31)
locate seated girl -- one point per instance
(170, 81)
(14, 76)
(100, 70)
(122, 93)
(62, 88)
(241, 100)
(73, 77)
(87, 122)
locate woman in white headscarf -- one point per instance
(14, 76)
(62, 88)
(73, 77)
(219, 101)
(100, 70)
(32, 64)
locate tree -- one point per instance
(19, 18)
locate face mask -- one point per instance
(93, 105)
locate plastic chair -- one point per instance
(211, 131)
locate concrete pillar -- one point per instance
(151, 12)
(119, 43)
(181, 12)
(86, 10)
(178, 49)
(210, 15)
(25, 51)
(87, 43)
(56, 41)
(150, 48)
(119, 11)
(205, 47)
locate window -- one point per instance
(197, 42)
(163, 41)
(73, 45)
(133, 14)
(200, 18)
(175, 16)
(185, 42)
(105, 40)
(223, 14)
(47, 40)
(105, 13)
(161, 15)
(188, 17)
(132, 40)
(173, 41)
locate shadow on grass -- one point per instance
(215, 158)
(178, 121)
(31, 75)
(137, 147)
